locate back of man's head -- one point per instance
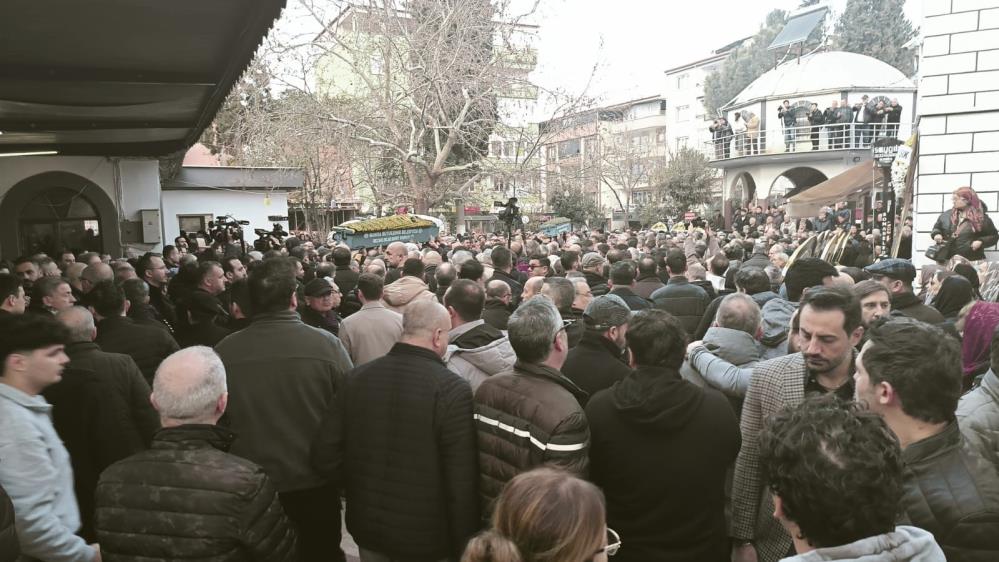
(106, 299)
(370, 286)
(805, 273)
(719, 265)
(920, 364)
(739, 311)
(560, 290)
(97, 273)
(569, 259)
(617, 255)
(696, 272)
(467, 298)
(734, 251)
(622, 274)
(837, 471)
(79, 322)
(190, 387)
(425, 323)
(472, 270)
(272, 285)
(497, 289)
(532, 329)
(445, 274)
(646, 267)
(502, 258)
(341, 256)
(676, 261)
(656, 339)
(412, 267)
(26, 333)
(10, 286)
(752, 280)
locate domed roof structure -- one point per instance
(824, 72)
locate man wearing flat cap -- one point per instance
(319, 309)
(896, 275)
(593, 269)
(599, 360)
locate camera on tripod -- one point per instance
(509, 213)
(226, 229)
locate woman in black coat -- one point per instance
(966, 229)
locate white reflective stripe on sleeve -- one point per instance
(523, 433)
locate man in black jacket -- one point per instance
(101, 409)
(910, 373)
(409, 453)
(815, 121)
(897, 276)
(187, 497)
(669, 510)
(680, 297)
(593, 270)
(283, 379)
(503, 271)
(622, 284)
(153, 271)
(345, 277)
(319, 308)
(116, 333)
(496, 312)
(598, 361)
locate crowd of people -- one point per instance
(845, 125)
(636, 394)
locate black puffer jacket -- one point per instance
(951, 491)
(526, 418)
(961, 244)
(9, 548)
(188, 499)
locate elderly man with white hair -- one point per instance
(164, 503)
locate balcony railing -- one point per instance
(841, 136)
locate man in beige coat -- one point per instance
(370, 332)
(409, 288)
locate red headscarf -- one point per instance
(979, 325)
(973, 212)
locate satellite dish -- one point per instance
(525, 220)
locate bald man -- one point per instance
(101, 409)
(395, 255)
(422, 440)
(137, 512)
(532, 287)
(94, 274)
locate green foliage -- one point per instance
(877, 28)
(745, 64)
(578, 208)
(684, 184)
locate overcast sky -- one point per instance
(634, 41)
(631, 42)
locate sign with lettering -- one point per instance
(884, 151)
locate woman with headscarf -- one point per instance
(955, 292)
(969, 272)
(966, 228)
(977, 328)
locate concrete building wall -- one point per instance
(959, 108)
(685, 89)
(247, 205)
(139, 186)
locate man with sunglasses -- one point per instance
(322, 297)
(530, 415)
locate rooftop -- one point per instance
(832, 71)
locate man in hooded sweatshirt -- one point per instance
(660, 449)
(476, 350)
(408, 289)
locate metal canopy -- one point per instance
(798, 28)
(106, 77)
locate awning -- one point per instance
(848, 185)
(110, 78)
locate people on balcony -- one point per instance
(721, 132)
(816, 119)
(786, 114)
(753, 134)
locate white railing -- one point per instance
(839, 136)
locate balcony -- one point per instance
(801, 141)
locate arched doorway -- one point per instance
(793, 181)
(56, 210)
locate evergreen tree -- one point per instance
(684, 184)
(877, 28)
(745, 64)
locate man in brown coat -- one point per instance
(372, 331)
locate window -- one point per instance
(641, 198)
(640, 141)
(637, 170)
(550, 153)
(193, 223)
(569, 148)
(590, 151)
(681, 142)
(682, 81)
(682, 113)
(660, 136)
(496, 148)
